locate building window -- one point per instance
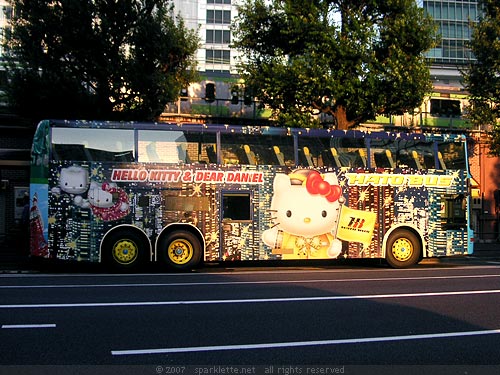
(218, 1)
(218, 36)
(219, 17)
(215, 56)
(445, 108)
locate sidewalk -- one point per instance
(487, 249)
(12, 261)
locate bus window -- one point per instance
(315, 152)
(236, 206)
(84, 144)
(276, 150)
(211, 152)
(257, 149)
(198, 148)
(232, 149)
(452, 155)
(415, 154)
(159, 146)
(454, 214)
(383, 158)
(445, 107)
(351, 152)
(279, 150)
(177, 147)
(382, 153)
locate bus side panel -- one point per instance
(82, 209)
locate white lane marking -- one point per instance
(250, 300)
(16, 326)
(211, 283)
(360, 340)
(235, 271)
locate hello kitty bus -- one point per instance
(131, 193)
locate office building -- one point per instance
(213, 20)
(454, 20)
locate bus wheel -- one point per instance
(124, 250)
(180, 250)
(403, 249)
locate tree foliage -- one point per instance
(352, 59)
(482, 78)
(121, 59)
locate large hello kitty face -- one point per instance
(74, 180)
(299, 212)
(100, 198)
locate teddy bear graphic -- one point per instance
(305, 210)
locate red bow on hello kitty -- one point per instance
(315, 184)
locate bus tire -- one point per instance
(403, 249)
(180, 250)
(124, 250)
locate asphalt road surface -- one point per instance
(266, 320)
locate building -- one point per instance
(218, 66)
(451, 54)
(454, 19)
(213, 19)
(449, 97)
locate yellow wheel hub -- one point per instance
(180, 251)
(125, 252)
(402, 249)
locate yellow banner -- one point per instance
(356, 225)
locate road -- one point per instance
(340, 317)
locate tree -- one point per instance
(482, 77)
(352, 59)
(107, 59)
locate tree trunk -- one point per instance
(341, 118)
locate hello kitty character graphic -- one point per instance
(305, 210)
(107, 201)
(74, 181)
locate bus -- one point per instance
(182, 194)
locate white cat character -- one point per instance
(98, 197)
(305, 209)
(108, 202)
(73, 180)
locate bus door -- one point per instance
(237, 233)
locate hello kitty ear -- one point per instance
(281, 181)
